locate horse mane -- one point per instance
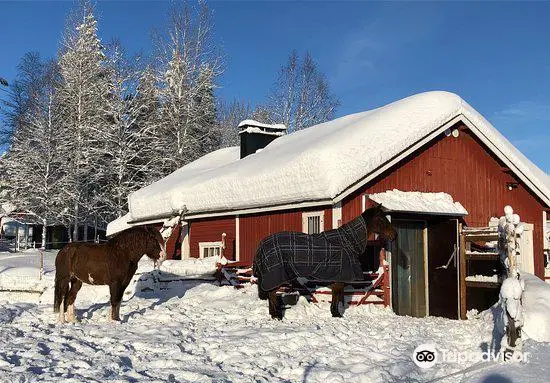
(129, 238)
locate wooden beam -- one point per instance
(462, 273)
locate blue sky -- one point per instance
(496, 55)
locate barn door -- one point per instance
(442, 269)
(408, 269)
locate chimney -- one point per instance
(256, 135)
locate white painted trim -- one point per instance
(185, 246)
(336, 214)
(364, 202)
(237, 239)
(203, 245)
(306, 215)
(299, 205)
(545, 228)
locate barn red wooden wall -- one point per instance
(254, 227)
(210, 230)
(463, 168)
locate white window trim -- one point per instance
(545, 230)
(337, 215)
(306, 215)
(203, 245)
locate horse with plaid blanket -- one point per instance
(331, 256)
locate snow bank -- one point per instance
(536, 308)
(318, 163)
(417, 202)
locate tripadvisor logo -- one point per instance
(425, 355)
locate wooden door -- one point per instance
(408, 269)
(442, 274)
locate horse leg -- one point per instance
(337, 305)
(76, 284)
(275, 309)
(262, 294)
(61, 290)
(116, 297)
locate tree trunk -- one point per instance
(44, 228)
(95, 230)
(75, 228)
(85, 237)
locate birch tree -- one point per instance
(188, 64)
(32, 167)
(301, 96)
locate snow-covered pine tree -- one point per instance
(205, 131)
(83, 92)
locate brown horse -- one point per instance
(331, 256)
(113, 263)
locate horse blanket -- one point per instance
(331, 256)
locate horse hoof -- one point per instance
(277, 317)
(337, 310)
(74, 320)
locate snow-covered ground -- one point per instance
(191, 331)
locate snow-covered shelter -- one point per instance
(431, 159)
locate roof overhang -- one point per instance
(396, 201)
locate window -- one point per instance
(313, 222)
(210, 249)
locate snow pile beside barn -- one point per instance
(536, 308)
(319, 163)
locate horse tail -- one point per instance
(62, 277)
(263, 295)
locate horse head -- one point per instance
(378, 223)
(155, 246)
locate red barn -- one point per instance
(433, 161)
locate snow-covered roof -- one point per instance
(324, 162)
(261, 125)
(119, 224)
(417, 202)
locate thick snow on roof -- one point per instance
(158, 198)
(119, 224)
(261, 125)
(253, 129)
(317, 163)
(417, 202)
